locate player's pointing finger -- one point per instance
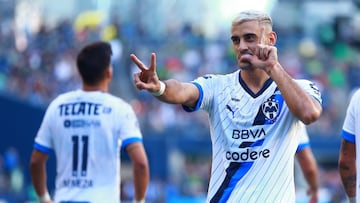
(153, 62)
(137, 61)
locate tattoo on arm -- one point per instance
(350, 183)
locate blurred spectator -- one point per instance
(37, 66)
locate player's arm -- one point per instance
(309, 168)
(180, 93)
(141, 175)
(347, 167)
(39, 176)
(170, 91)
(300, 103)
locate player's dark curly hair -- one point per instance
(93, 61)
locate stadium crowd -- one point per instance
(37, 67)
(41, 65)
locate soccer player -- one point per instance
(349, 165)
(86, 129)
(254, 113)
(308, 165)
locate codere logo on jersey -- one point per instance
(248, 149)
(247, 154)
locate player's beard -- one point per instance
(245, 65)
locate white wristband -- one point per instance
(44, 198)
(139, 201)
(161, 90)
(352, 199)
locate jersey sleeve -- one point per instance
(311, 88)
(348, 131)
(205, 86)
(130, 130)
(43, 139)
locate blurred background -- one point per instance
(39, 40)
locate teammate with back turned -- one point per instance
(86, 129)
(255, 111)
(349, 164)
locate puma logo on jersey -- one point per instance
(231, 110)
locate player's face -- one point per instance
(244, 39)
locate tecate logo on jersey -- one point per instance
(246, 155)
(81, 123)
(79, 108)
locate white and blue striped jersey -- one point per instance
(253, 139)
(86, 130)
(351, 132)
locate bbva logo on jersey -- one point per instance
(270, 109)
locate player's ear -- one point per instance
(272, 38)
(109, 72)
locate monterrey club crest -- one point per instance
(270, 109)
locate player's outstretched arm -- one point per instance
(170, 91)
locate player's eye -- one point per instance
(250, 37)
(235, 39)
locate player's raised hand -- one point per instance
(147, 78)
(264, 56)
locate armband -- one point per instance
(161, 90)
(139, 201)
(44, 198)
(352, 199)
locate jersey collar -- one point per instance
(251, 93)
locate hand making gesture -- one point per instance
(265, 57)
(147, 78)
(264, 54)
